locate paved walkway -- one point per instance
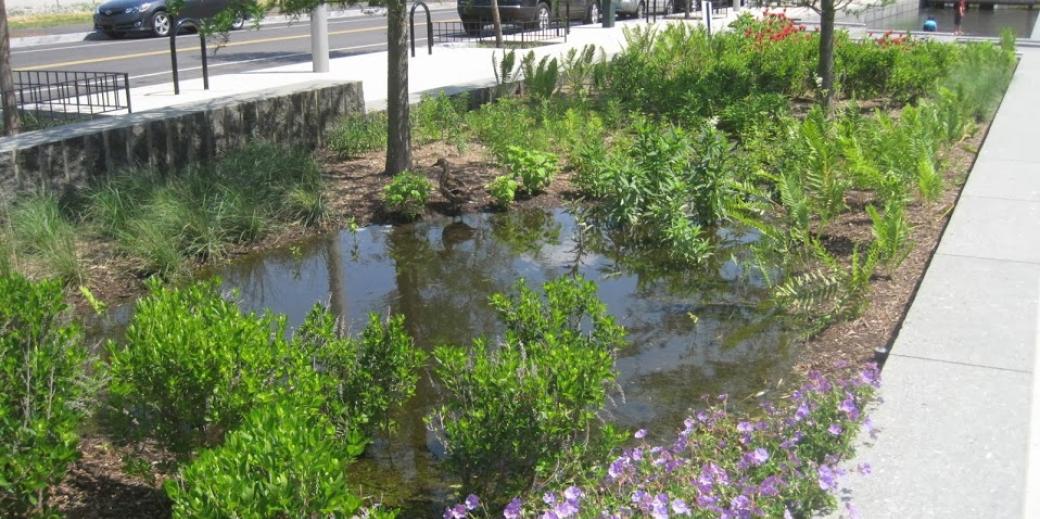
(960, 416)
(448, 68)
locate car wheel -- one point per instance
(239, 22)
(115, 35)
(544, 17)
(161, 23)
(593, 12)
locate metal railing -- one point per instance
(521, 34)
(68, 95)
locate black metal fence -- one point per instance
(49, 95)
(513, 34)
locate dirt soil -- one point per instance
(98, 485)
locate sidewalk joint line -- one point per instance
(987, 258)
(959, 363)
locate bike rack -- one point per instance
(173, 56)
(429, 26)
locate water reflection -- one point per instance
(691, 332)
(977, 22)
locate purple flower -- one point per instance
(566, 509)
(851, 510)
(828, 477)
(640, 434)
(870, 375)
(848, 406)
(660, 507)
(745, 427)
(472, 502)
(549, 498)
(549, 514)
(802, 412)
(679, 507)
(863, 468)
(457, 512)
(740, 503)
(835, 429)
(757, 457)
(770, 486)
(617, 468)
(512, 510)
(573, 494)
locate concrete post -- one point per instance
(320, 38)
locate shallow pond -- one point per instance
(977, 22)
(690, 333)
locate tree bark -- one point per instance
(826, 65)
(12, 120)
(496, 20)
(399, 136)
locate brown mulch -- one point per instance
(870, 335)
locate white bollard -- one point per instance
(320, 38)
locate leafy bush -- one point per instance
(192, 365)
(522, 408)
(534, 169)
(891, 233)
(41, 366)
(282, 462)
(439, 118)
(407, 194)
(358, 134)
(783, 461)
(541, 79)
(503, 189)
(365, 378)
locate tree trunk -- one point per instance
(399, 136)
(12, 121)
(496, 20)
(826, 67)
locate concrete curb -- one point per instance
(72, 37)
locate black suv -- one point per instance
(476, 14)
(116, 18)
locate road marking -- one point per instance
(121, 57)
(268, 58)
(272, 27)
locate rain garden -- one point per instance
(598, 305)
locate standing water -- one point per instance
(977, 22)
(690, 332)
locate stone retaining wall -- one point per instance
(68, 157)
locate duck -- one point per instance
(452, 188)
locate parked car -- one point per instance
(638, 8)
(117, 18)
(476, 14)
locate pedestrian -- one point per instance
(930, 25)
(958, 15)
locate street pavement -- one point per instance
(147, 59)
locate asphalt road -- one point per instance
(147, 60)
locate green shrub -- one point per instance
(503, 189)
(358, 134)
(528, 405)
(534, 169)
(364, 379)
(891, 233)
(541, 79)
(439, 118)
(407, 194)
(192, 365)
(282, 461)
(41, 366)
(39, 230)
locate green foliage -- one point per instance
(41, 234)
(979, 76)
(41, 367)
(503, 189)
(439, 118)
(929, 180)
(581, 69)
(512, 411)
(365, 378)
(504, 123)
(534, 169)
(541, 79)
(192, 365)
(505, 70)
(407, 194)
(359, 134)
(282, 462)
(202, 210)
(891, 233)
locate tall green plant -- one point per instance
(41, 370)
(511, 411)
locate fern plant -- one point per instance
(891, 233)
(541, 79)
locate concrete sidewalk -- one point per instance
(960, 410)
(449, 69)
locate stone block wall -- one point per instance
(69, 157)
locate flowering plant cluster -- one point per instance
(888, 39)
(773, 26)
(784, 462)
